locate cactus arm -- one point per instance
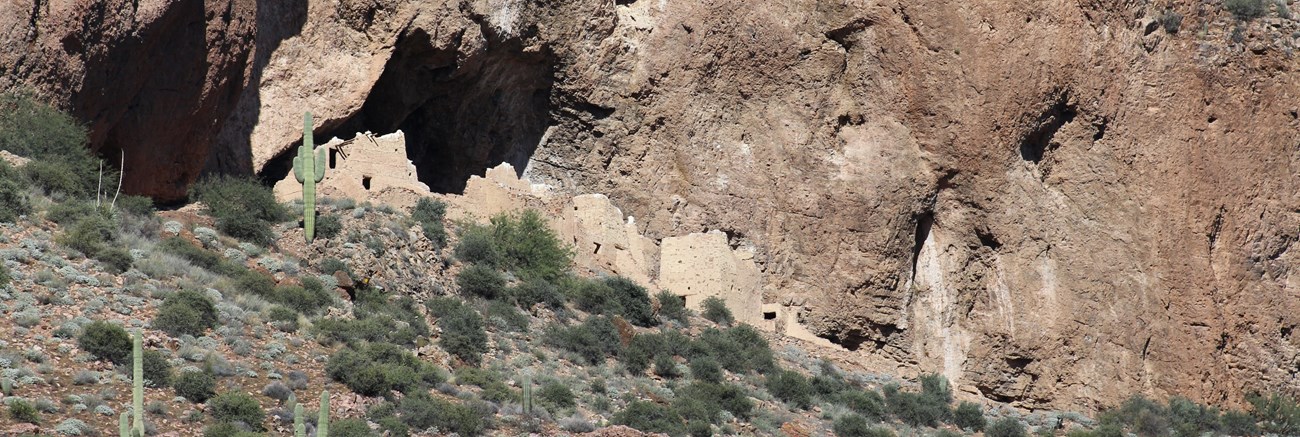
(137, 388)
(323, 422)
(124, 425)
(297, 168)
(320, 165)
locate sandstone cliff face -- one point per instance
(1055, 204)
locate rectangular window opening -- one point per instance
(365, 182)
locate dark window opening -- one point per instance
(365, 182)
(334, 158)
(769, 315)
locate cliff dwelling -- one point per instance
(359, 167)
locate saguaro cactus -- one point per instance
(137, 392)
(309, 169)
(323, 422)
(299, 429)
(528, 395)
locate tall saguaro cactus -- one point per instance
(308, 169)
(137, 392)
(299, 429)
(323, 422)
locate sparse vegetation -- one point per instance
(1005, 427)
(328, 226)
(236, 407)
(243, 208)
(378, 368)
(429, 214)
(186, 312)
(716, 311)
(462, 333)
(1246, 9)
(106, 341)
(197, 386)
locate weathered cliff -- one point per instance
(1053, 203)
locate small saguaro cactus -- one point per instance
(299, 429)
(528, 395)
(308, 169)
(137, 392)
(323, 422)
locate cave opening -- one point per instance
(460, 115)
(1036, 143)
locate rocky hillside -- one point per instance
(1052, 204)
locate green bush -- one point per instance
(157, 371)
(204, 259)
(666, 366)
(1246, 9)
(422, 411)
(651, 417)
(330, 265)
(379, 368)
(672, 307)
(529, 247)
(116, 259)
(89, 235)
(716, 310)
(1139, 414)
(739, 349)
(706, 401)
(106, 341)
(853, 425)
(868, 403)
(706, 369)
(56, 142)
(13, 195)
(506, 317)
(429, 214)
(1005, 427)
(350, 428)
(791, 387)
(236, 407)
(528, 293)
(1276, 413)
(242, 207)
(477, 247)
(915, 409)
(1238, 423)
(557, 396)
(641, 350)
(969, 416)
(24, 412)
(187, 312)
(309, 301)
(138, 205)
(492, 383)
(633, 300)
(198, 387)
(482, 281)
(1190, 419)
(4, 276)
(593, 340)
(70, 211)
(462, 333)
(328, 226)
(596, 297)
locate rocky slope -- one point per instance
(1051, 203)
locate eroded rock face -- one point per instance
(153, 79)
(1054, 204)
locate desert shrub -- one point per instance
(739, 349)
(1140, 415)
(330, 265)
(1005, 427)
(4, 276)
(1191, 419)
(716, 311)
(89, 234)
(1276, 413)
(868, 403)
(969, 416)
(829, 383)
(70, 211)
(376, 319)
(22, 411)
(462, 332)
(477, 247)
(308, 301)
(633, 300)
(236, 407)
(529, 247)
(792, 387)
(1246, 9)
(915, 409)
(328, 226)
(13, 196)
(593, 340)
(53, 140)
(854, 425)
(198, 387)
(705, 401)
(706, 369)
(536, 291)
(157, 371)
(506, 317)
(138, 205)
(492, 383)
(557, 396)
(1238, 423)
(253, 282)
(423, 411)
(651, 417)
(482, 281)
(666, 366)
(350, 428)
(116, 259)
(105, 341)
(378, 368)
(206, 259)
(242, 207)
(595, 296)
(187, 312)
(283, 318)
(641, 350)
(278, 391)
(429, 214)
(672, 307)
